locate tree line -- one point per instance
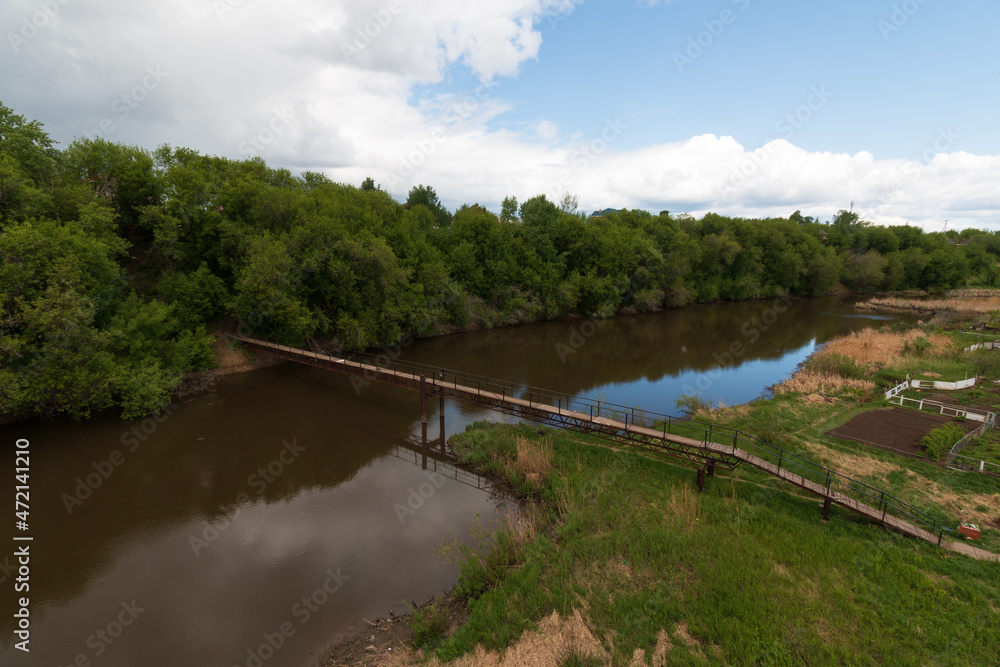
(116, 261)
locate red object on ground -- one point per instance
(969, 530)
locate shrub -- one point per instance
(939, 442)
(429, 624)
(692, 404)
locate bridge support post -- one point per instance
(423, 446)
(701, 478)
(423, 400)
(710, 468)
(441, 432)
(826, 509)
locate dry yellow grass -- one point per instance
(876, 349)
(807, 382)
(852, 465)
(731, 412)
(981, 303)
(534, 458)
(683, 506)
(523, 527)
(869, 349)
(963, 505)
(555, 641)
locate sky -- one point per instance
(740, 107)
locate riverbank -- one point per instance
(654, 570)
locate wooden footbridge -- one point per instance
(710, 445)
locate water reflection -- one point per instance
(229, 514)
(651, 359)
(240, 505)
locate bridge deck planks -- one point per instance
(605, 425)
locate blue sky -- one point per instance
(889, 95)
(777, 106)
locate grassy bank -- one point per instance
(745, 572)
(621, 561)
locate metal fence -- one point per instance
(829, 479)
(971, 436)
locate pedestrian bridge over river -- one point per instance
(709, 445)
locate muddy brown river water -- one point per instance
(254, 525)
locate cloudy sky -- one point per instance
(742, 107)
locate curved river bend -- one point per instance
(258, 523)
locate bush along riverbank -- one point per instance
(115, 262)
(618, 559)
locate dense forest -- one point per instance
(116, 262)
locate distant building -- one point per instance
(602, 212)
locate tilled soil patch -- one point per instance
(894, 429)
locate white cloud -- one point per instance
(274, 79)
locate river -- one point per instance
(254, 525)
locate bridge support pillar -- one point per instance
(423, 400)
(441, 432)
(826, 509)
(423, 446)
(706, 470)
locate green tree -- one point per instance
(424, 195)
(508, 210)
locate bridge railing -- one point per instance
(831, 480)
(827, 478)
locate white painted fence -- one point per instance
(899, 388)
(942, 409)
(994, 345)
(947, 386)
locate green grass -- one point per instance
(748, 566)
(986, 447)
(801, 428)
(429, 623)
(950, 368)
